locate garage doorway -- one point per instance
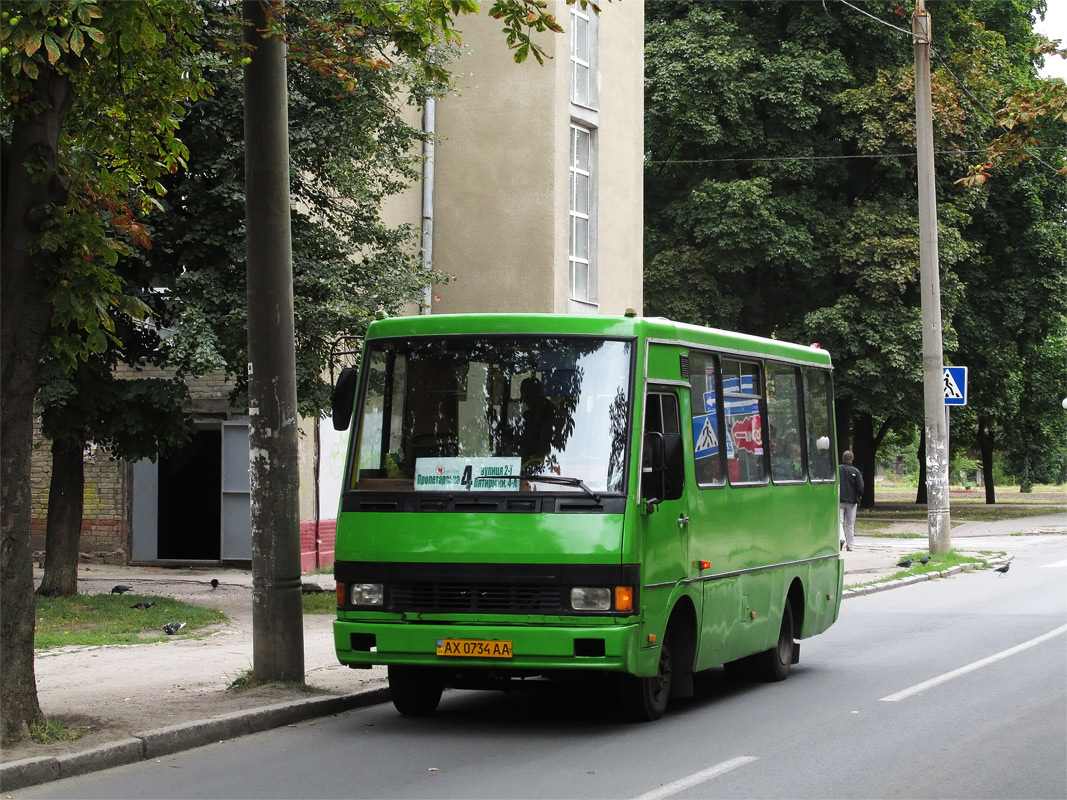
(193, 504)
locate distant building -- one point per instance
(536, 206)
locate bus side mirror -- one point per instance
(674, 466)
(344, 398)
(663, 469)
(652, 472)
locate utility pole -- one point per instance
(937, 455)
(277, 610)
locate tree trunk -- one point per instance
(864, 451)
(25, 320)
(920, 493)
(985, 446)
(842, 421)
(63, 532)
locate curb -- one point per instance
(176, 738)
(875, 588)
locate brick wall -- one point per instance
(105, 521)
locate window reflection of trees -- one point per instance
(459, 396)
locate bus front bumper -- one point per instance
(526, 648)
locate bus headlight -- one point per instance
(366, 594)
(591, 598)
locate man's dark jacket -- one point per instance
(851, 483)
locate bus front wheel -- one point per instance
(416, 692)
(645, 699)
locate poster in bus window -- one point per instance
(742, 416)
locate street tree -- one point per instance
(91, 96)
(780, 188)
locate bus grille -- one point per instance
(474, 597)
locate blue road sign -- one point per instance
(955, 382)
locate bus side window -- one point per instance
(819, 424)
(708, 454)
(742, 389)
(783, 421)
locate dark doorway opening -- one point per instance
(190, 500)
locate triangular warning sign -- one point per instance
(708, 440)
(952, 391)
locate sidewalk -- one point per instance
(146, 701)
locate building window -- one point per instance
(583, 43)
(582, 270)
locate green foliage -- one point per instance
(349, 149)
(780, 197)
(129, 70)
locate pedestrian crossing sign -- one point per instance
(705, 440)
(955, 385)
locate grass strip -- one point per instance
(105, 619)
(937, 563)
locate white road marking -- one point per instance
(697, 777)
(985, 662)
(1057, 564)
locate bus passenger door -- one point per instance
(665, 515)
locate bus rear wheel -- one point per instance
(416, 691)
(645, 699)
(773, 665)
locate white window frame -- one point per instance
(584, 38)
(582, 224)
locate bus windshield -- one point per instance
(493, 413)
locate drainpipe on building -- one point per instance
(318, 510)
(429, 128)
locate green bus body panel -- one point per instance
(481, 537)
(761, 542)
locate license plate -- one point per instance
(474, 648)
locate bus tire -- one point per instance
(773, 665)
(416, 692)
(645, 699)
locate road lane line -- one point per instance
(1057, 564)
(697, 777)
(921, 687)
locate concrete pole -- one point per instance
(429, 128)
(277, 610)
(937, 455)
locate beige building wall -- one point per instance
(501, 172)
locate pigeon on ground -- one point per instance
(146, 604)
(48, 591)
(214, 583)
(172, 628)
(905, 563)
(1003, 570)
(121, 589)
(924, 561)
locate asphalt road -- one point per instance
(951, 689)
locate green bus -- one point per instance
(531, 497)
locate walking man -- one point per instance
(851, 492)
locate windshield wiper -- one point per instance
(565, 481)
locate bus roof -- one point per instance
(625, 327)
